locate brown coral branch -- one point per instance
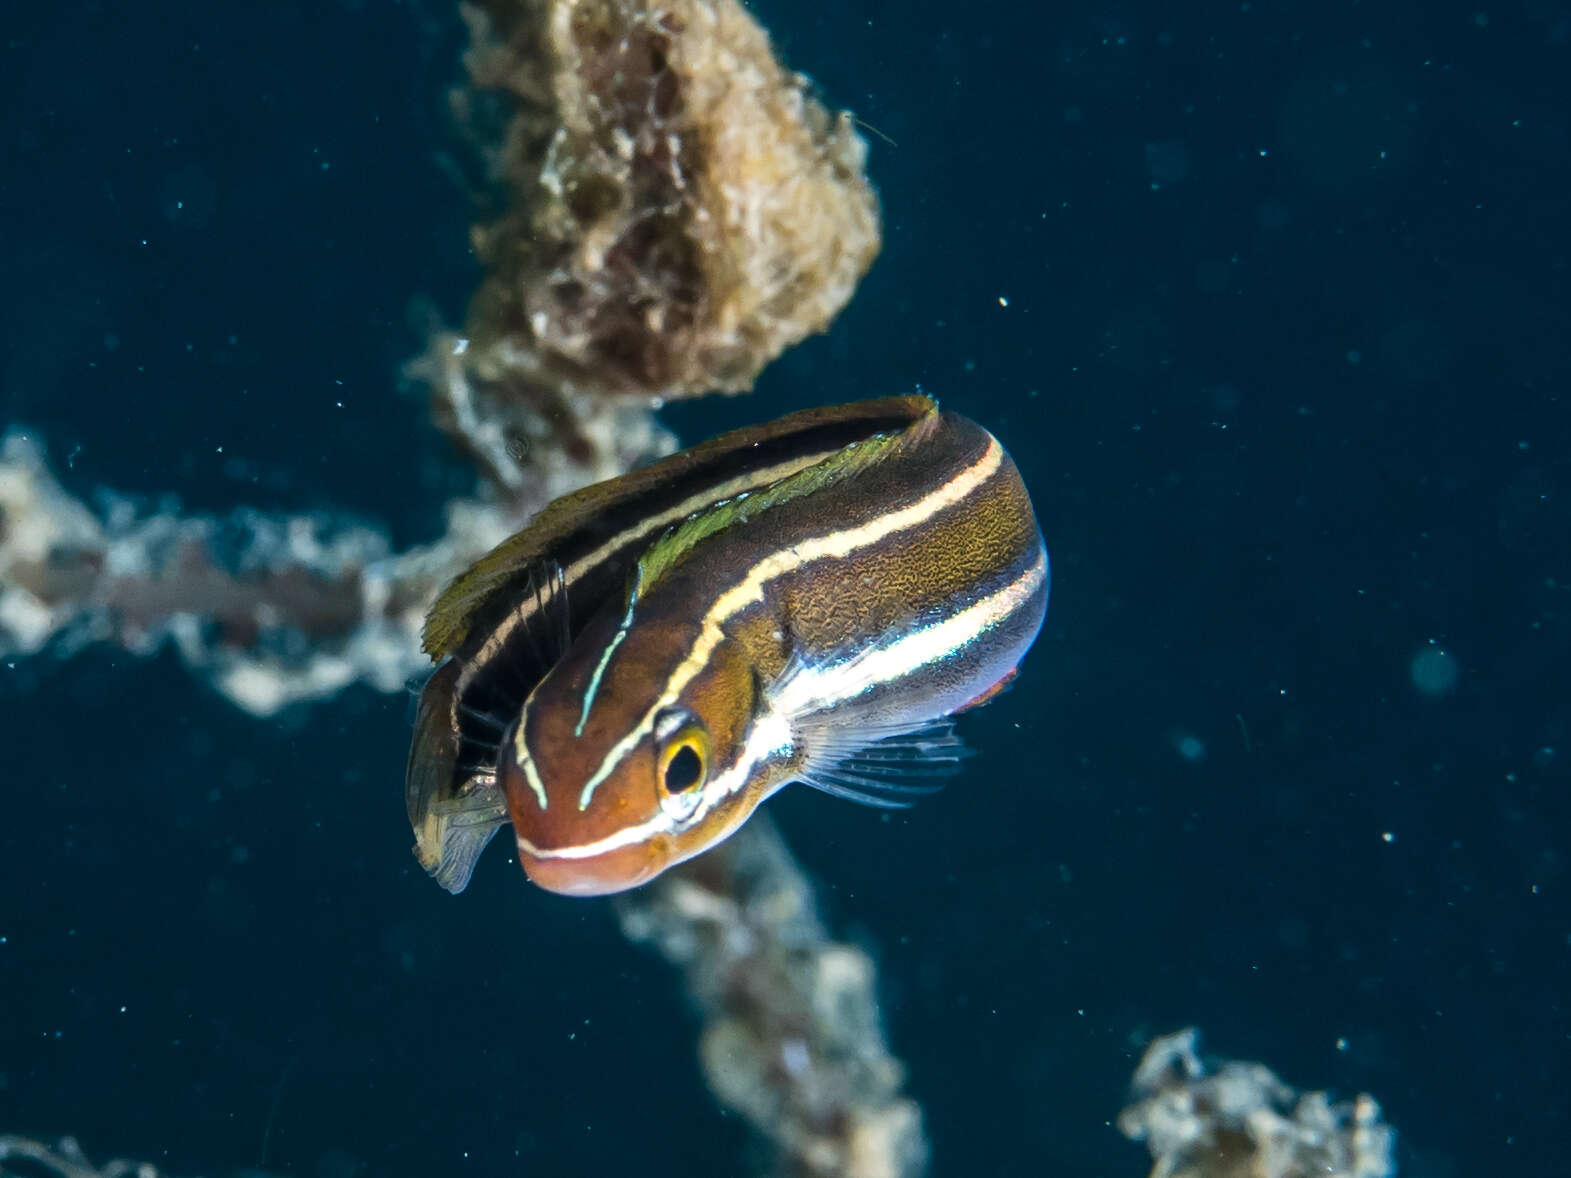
(271, 609)
(792, 1038)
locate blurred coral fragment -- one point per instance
(1239, 1121)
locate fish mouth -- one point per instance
(602, 874)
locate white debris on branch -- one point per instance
(1237, 1120)
(272, 609)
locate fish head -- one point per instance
(633, 754)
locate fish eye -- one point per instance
(682, 761)
(684, 770)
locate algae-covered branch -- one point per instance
(677, 208)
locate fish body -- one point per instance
(856, 576)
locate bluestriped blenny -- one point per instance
(810, 600)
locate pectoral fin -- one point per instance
(453, 814)
(878, 765)
(455, 831)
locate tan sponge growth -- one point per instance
(680, 209)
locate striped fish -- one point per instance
(809, 600)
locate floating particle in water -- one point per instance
(1273, 214)
(1167, 163)
(1213, 275)
(1434, 671)
(1224, 398)
(1188, 746)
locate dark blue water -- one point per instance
(1270, 303)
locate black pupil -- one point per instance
(682, 771)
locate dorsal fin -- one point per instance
(447, 623)
(598, 517)
(669, 551)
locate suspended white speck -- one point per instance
(794, 1055)
(1434, 671)
(1189, 746)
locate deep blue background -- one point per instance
(1285, 361)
